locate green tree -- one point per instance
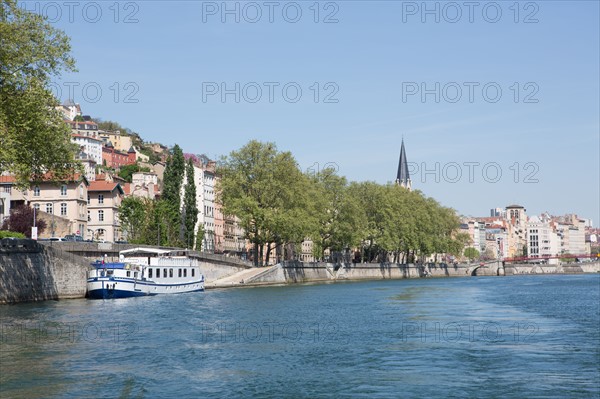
(173, 177)
(168, 216)
(126, 172)
(471, 253)
(337, 213)
(267, 191)
(133, 215)
(33, 138)
(190, 208)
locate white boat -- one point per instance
(145, 271)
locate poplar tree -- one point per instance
(173, 177)
(190, 208)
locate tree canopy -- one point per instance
(34, 140)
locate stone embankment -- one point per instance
(298, 272)
(30, 271)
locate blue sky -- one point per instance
(369, 61)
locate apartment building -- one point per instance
(103, 201)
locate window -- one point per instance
(7, 189)
(63, 209)
(128, 273)
(100, 233)
(88, 199)
(179, 273)
(135, 274)
(150, 273)
(193, 272)
(49, 208)
(170, 272)
(101, 216)
(157, 272)
(184, 272)
(36, 191)
(101, 198)
(89, 217)
(63, 190)
(36, 207)
(164, 272)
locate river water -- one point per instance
(520, 337)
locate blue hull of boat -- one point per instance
(115, 294)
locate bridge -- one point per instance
(495, 268)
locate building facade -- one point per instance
(63, 202)
(90, 145)
(120, 142)
(103, 202)
(115, 159)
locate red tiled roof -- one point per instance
(103, 186)
(7, 179)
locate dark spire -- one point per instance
(403, 177)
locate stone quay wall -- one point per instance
(32, 272)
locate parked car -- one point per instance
(55, 239)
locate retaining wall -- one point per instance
(31, 272)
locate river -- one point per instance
(522, 336)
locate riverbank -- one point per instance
(32, 272)
(298, 272)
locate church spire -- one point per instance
(403, 177)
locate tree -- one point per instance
(337, 213)
(34, 140)
(21, 220)
(267, 191)
(126, 172)
(190, 208)
(168, 216)
(471, 253)
(133, 215)
(173, 177)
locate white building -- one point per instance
(209, 207)
(542, 239)
(90, 145)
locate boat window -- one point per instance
(170, 272)
(135, 274)
(128, 273)
(184, 272)
(164, 272)
(193, 272)
(150, 273)
(157, 272)
(110, 272)
(179, 273)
